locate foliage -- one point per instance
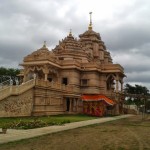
(137, 90)
(28, 125)
(6, 126)
(9, 71)
(36, 122)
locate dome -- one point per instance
(90, 33)
(40, 54)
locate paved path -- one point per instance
(14, 135)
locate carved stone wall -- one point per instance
(73, 76)
(93, 83)
(20, 105)
(47, 102)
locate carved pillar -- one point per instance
(25, 77)
(117, 109)
(117, 104)
(76, 100)
(70, 107)
(121, 86)
(46, 76)
(117, 85)
(45, 71)
(64, 104)
(25, 74)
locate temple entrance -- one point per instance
(67, 104)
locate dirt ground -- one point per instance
(125, 134)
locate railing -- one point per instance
(4, 84)
(17, 89)
(57, 86)
(23, 87)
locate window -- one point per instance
(64, 81)
(61, 58)
(84, 82)
(50, 79)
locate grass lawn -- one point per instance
(46, 120)
(125, 134)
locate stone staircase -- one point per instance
(6, 91)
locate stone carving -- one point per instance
(55, 101)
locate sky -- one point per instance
(124, 26)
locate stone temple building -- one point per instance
(77, 76)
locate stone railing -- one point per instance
(17, 89)
(57, 86)
(23, 87)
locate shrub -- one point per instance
(6, 126)
(35, 124)
(28, 125)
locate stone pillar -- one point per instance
(34, 76)
(46, 76)
(117, 109)
(45, 71)
(76, 100)
(70, 107)
(121, 86)
(64, 103)
(117, 104)
(117, 86)
(24, 78)
(72, 104)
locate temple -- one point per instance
(77, 76)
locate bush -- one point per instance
(28, 125)
(35, 124)
(6, 126)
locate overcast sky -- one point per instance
(124, 26)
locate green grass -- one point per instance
(55, 120)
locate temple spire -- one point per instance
(90, 25)
(44, 45)
(70, 33)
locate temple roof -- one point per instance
(90, 33)
(68, 44)
(40, 54)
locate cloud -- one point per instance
(122, 24)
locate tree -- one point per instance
(9, 71)
(139, 91)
